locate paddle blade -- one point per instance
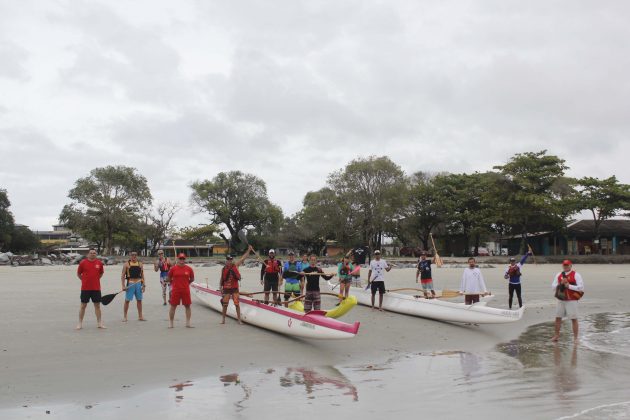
(107, 299)
(242, 236)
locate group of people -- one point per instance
(301, 279)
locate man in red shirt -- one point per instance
(90, 271)
(180, 277)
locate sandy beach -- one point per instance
(48, 366)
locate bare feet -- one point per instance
(141, 319)
(79, 327)
(555, 338)
(170, 326)
(102, 327)
(223, 322)
(189, 326)
(124, 320)
(240, 322)
(381, 310)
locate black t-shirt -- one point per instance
(360, 254)
(425, 269)
(312, 282)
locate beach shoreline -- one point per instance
(47, 362)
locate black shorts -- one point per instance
(378, 286)
(86, 295)
(271, 285)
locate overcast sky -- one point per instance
(291, 90)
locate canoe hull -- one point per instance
(438, 309)
(314, 325)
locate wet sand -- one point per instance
(414, 363)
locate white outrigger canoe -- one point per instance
(437, 309)
(283, 320)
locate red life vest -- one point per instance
(230, 277)
(570, 294)
(272, 266)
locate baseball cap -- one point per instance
(229, 257)
(567, 262)
(290, 253)
(181, 255)
(512, 259)
(377, 252)
(271, 251)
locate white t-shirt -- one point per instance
(472, 282)
(378, 270)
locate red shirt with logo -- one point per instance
(181, 277)
(90, 273)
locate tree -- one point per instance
(159, 224)
(203, 233)
(326, 216)
(108, 200)
(532, 197)
(6, 220)
(374, 190)
(23, 240)
(236, 201)
(423, 211)
(603, 198)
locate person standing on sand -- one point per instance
(305, 262)
(294, 282)
(163, 265)
(180, 276)
(344, 271)
(424, 272)
(230, 277)
(472, 283)
(313, 299)
(133, 273)
(569, 288)
(271, 277)
(378, 267)
(90, 271)
(513, 274)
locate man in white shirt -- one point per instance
(472, 283)
(569, 288)
(378, 267)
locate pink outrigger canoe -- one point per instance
(287, 321)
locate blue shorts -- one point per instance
(134, 289)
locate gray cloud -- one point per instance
(292, 90)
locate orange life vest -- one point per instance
(230, 277)
(568, 293)
(272, 266)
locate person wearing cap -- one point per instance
(472, 285)
(163, 265)
(513, 275)
(378, 267)
(424, 272)
(230, 277)
(180, 276)
(271, 277)
(294, 283)
(133, 273)
(569, 288)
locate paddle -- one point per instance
(438, 259)
(446, 294)
(242, 235)
(532, 252)
(107, 299)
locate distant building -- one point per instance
(188, 247)
(578, 239)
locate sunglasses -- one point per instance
(181, 259)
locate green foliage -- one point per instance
(6, 220)
(235, 200)
(604, 198)
(205, 233)
(23, 240)
(109, 200)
